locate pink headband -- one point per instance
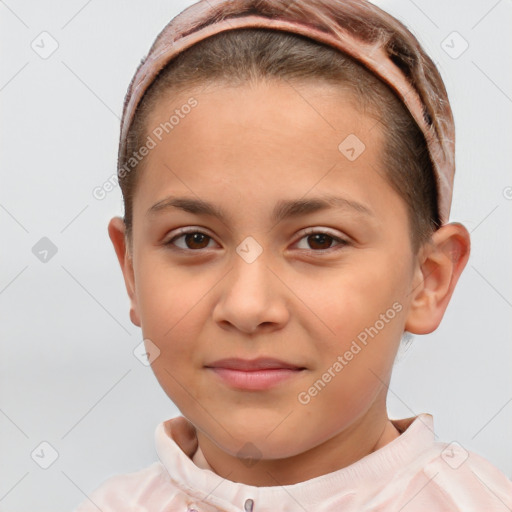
(182, 32)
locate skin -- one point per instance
(302, 300)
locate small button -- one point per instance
(248, 505)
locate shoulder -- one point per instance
(148, 486)
(449, 476)
(470, 478)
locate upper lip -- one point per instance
(262, 363)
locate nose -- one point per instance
(253, 297)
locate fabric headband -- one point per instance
(199, 22)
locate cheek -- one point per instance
(352, 298)
(171, 301)
(364, 313)
(362, 305)
(172, 308)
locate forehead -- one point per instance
(277, 112)
(261, 140)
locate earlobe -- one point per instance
(117, 234)
(440, 265)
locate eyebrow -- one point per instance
(284, 209)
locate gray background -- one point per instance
(68, 375)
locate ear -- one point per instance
(440, 264)
(117, 233)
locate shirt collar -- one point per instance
(176, 445)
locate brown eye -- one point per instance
(196, 240)
(318, 241)
(193, 240)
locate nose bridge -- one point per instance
(251, 294)
(250, 270)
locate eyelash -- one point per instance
(187, 231)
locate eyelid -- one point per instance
(189, 229)
(341, 239)
(321, 229)
(185, 231)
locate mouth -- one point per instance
(256, 375)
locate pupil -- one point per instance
(195, 238)
(320, 239)
(317, 239)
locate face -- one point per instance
(303, 283)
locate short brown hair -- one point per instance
(237, 56)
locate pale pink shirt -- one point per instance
(412, 473)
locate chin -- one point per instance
(260, 441)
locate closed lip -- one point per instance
(252, 365)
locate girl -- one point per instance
(287, 172)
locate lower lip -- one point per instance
(255, 380)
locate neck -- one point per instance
(366, 435)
